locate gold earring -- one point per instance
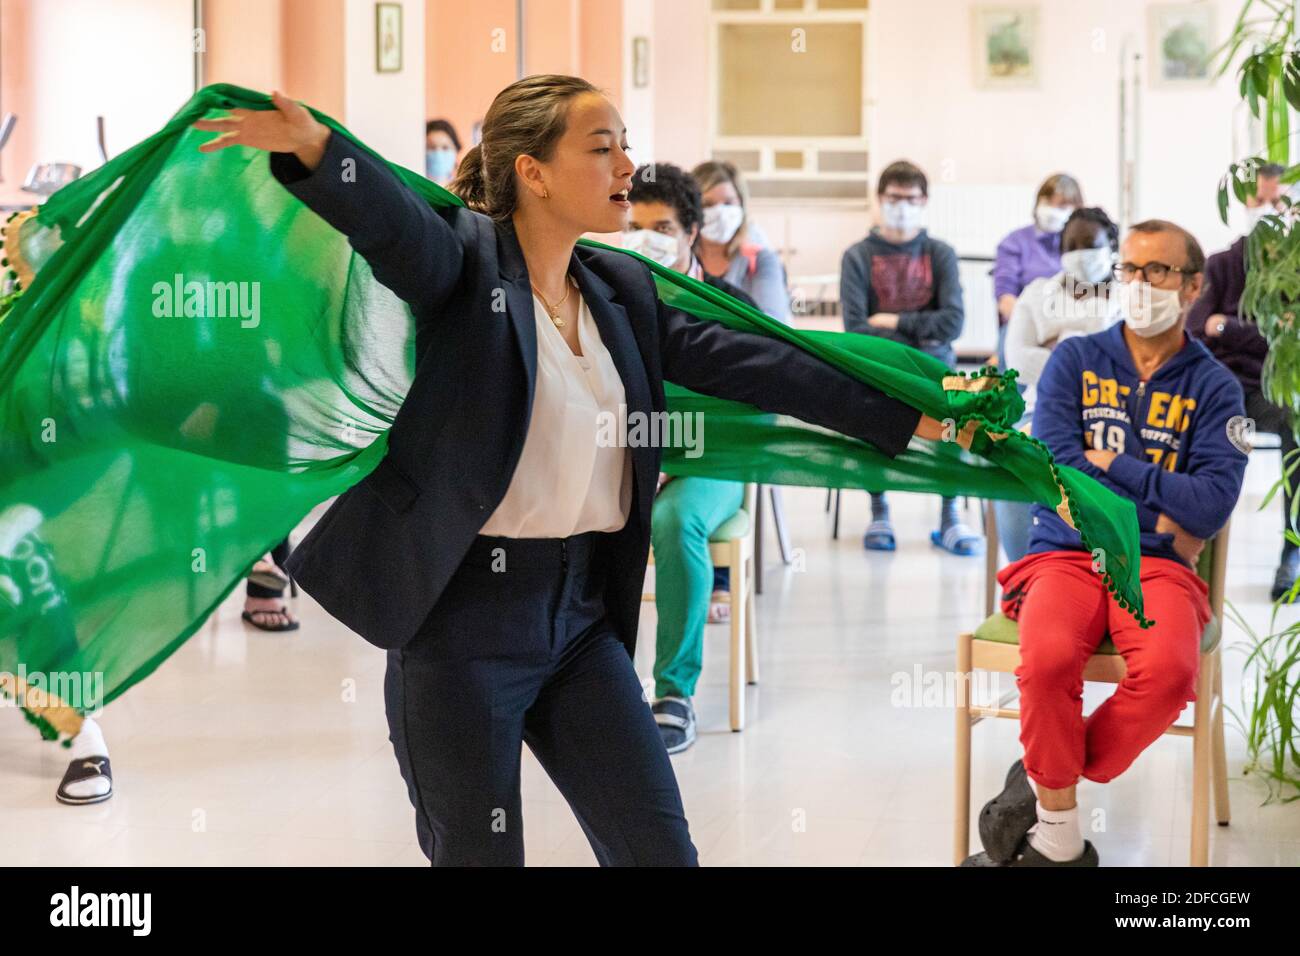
(546, 193)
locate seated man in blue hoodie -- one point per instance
(1146, 410)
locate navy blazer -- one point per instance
(380, 557)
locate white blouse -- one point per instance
(571, 477)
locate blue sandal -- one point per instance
(958, 539)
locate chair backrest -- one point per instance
(1212, 568)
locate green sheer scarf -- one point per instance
(195, 360)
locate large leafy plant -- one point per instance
(1269, 82)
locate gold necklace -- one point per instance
(554, 311)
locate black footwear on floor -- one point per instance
(1285, 577)
(1006, 818)
(676, 719)
(85, 769)
(252, 617)
(1026, 855)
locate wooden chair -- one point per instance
(995, 646)
(732, 546)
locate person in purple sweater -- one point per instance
(1236, 342)
(1033, 251)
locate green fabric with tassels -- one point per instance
(151, 451)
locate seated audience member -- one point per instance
(1145, 409)
(1238, 344)
(902, 284)
(665, 223)
(1033, 251)
(727, 248)
(441, 151)
(1075, 301)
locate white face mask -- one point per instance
(1256, 214)
(1088, 265)
(1050, 218)
(1148, 311)
(653, 245)
(721, 221)
(902, 216)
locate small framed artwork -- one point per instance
(1006, 50)
(640, 62)
(1181, 38)
(388, 37)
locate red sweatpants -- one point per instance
(1064, 610)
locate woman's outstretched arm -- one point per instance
(410, 247)
(774, 375)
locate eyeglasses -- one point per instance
(1151, 272)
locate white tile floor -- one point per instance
(218, 761)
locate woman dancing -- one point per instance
(498, 550)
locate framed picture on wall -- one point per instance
(1181, 38)
(640, 62)
(388, 37)
(1006, 50)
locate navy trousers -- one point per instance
(518, 650)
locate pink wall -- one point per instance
(15, 91)
(681, 55)
(464, 71)
(311, 51)
(292, 45)
(243, 43)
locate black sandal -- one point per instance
(289, 625)
(85, 769)
(269, 576)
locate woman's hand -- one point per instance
(930, 428)
(289, 128)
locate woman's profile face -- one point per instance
(590, 171)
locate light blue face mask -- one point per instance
(439, 164)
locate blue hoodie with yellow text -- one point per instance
(1173, 434)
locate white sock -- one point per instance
(88, 743)
(1056, 835)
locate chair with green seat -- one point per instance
(732, 546)
(995, 646)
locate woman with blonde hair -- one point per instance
(509, 539)
(730, 247)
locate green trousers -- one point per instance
(686, 512)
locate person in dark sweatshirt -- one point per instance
(1145, 409)
(902, 284)
(1238, 344)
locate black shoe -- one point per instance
(676, 719)
(1006, 818)
(1026, 855)
(1284, 579)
